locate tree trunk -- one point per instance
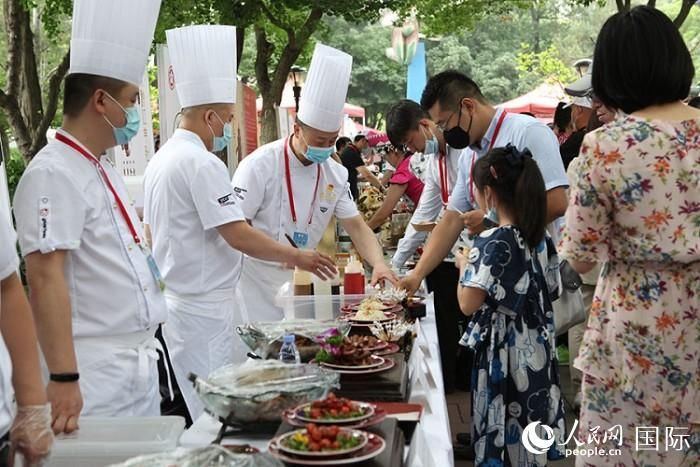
(271, 87)
(534, 12)
(686, 6)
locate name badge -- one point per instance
(155, 271)
(301, 239)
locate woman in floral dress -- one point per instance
(508, 281)
(635, 207)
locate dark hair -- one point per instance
(342, 142)
(359, 138)
(695, 102)
(641, 60)
(562, 116)
(529, 114)
(78, 88)
(448, 89)
(519, 186)
(402, 117)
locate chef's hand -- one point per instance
(31, 434)
(382, 272)
(316, 263)
(474, 221)
(66, 404)
(410, 284)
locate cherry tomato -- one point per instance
(315, 435)
(314, 447)
(333, 431)
(315, 413)
(325, 443)
(335, 445)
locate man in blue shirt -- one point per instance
(455, 103)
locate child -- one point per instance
(504, 283)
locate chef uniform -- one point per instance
(187, 196)
(9, 263)
(280, 195)
(69, 199)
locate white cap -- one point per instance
(112, 38)
(204, 64)
(583, 85)
(581, 102)
(323, 95)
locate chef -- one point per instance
(196, 223)
(95, 289)
(290, 187)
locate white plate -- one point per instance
(375, 447)
(299, 413)
(323, 454)
(387, 317)
(377, 361)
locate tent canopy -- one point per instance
(542, 101)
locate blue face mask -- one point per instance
(492, 216)
(431, 145)
(221, 142)
(316, 154)
(133, 121)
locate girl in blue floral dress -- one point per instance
(508, 281)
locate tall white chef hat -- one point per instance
(204, 64)
(112, 38)
(323, 96)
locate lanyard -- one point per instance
(442, 169)
(493, 141)
(290, 193)
(105, 178)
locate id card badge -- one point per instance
(155, 271)
(301, 239)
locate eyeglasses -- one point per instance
(443, 126)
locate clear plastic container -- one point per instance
(322, 307)
(106, 440)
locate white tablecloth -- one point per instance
(431, 444)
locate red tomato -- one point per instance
(333, 431)
(314, 447)
(310, 427)
(315, 413)
(334, 412)
(345, 410)
(325, 443)
(331, 395)
(315, 435)
(335, 445)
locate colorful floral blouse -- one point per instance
(635, 206)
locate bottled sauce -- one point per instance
(303, 284)
(288, 351)
(354, 283)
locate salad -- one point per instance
(320, 439)
(333, 408)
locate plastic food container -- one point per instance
(259, 391)
(104, 440)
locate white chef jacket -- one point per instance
(430, 206)
(8, 266)
(187, 195)
(259, 183)
(62, 203)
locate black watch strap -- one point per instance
(64, 377)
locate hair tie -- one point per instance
(492, 169)
(514, 157)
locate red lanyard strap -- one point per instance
(106, 180)
(290, 193)
(442, 169)
(496, 131)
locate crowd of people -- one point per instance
(502, 202)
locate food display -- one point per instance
(317, 440)
(390, 331)
(391, 295)
(211, 455)
(365, 342)
(334, 409)
(265, 338)
(259, 391)
(343, 352)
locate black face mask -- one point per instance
(456, 137)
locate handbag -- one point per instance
(569, 309)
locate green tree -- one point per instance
(678, 15)
(36, 61)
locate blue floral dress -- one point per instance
(515, 380)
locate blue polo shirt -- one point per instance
(522, 131)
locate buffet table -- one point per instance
(430, 444)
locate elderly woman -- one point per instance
(635, 207)
(402, 182)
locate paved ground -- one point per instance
(458, 409)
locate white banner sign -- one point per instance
(168, 103)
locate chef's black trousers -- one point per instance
(451, 323)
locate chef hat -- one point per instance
(323, 96)
(204, 64)
(112, 38)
